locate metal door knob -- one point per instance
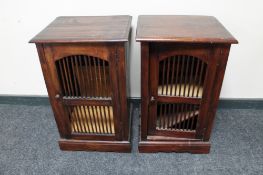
(57, 96)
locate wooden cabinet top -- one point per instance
(83, 29)
(180, 28)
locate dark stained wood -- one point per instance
(180, 28)
(207, 89)
(83, 29)
(84, 65)
(121, 72)
(171, 99)
(144, 89)
(187, 54)
(153, 82)
(91, 145)
(52, 85)
(193, 147)
(105, 137)
(87, 101)
(116, 99)
(171, 138)
(222, 51)
(177, 133)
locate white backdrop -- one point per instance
(20, 72)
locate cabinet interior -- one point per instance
(87, 77)
(181, 75)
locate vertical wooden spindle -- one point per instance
(177, 76)
(173, 121)
(186, 81)
(87, 75)
(169, 115)
(189, 116)
(97, 119)
(110, 121)
(105, 119)
(83, 118)
(177, 115)
(161, 116)
(103, 122)
(195, 78)
(195, 107)
(105, 80)
(181, 116)
(88, 119)
(173, 84)
(96, 76)
(70, 77)
(100, 79)
(91, 76)
(81, 77)
(111, 116)
(92, 119)
(74, 75)
(65, 90)
(163, 76)
(71, 119)
(181, 75)
(79, 119)
(191, 85)
(200, 79)
(167, 75)
(66, 76)
(78, 74)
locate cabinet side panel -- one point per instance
(144, 88)
(122, 89)
(222, 52)
(207, 92)
(53, 90)
(153, 86)
(113, 63)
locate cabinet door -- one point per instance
(86, 78)
(181, 79)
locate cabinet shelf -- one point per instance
(92, 119)
(182, 118)
(84, 76)
(184, 90)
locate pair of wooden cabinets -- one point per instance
(183, 60)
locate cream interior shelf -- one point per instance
(174, 90)
(181, 117)
(96, 119)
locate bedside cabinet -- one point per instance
(83, 60)
(183, 60)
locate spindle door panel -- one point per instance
(85, 82)
(179, 77)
